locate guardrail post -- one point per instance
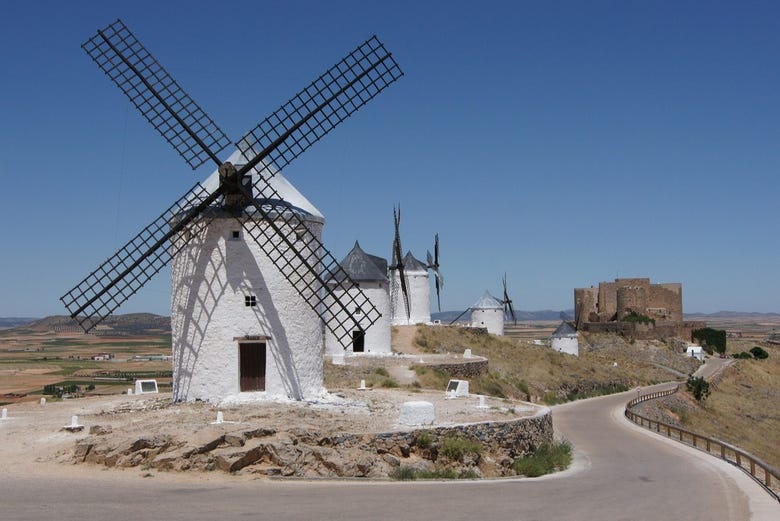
(708, 444)
(739, 458)
(752, 467)
(768, 480)
(722, 451)
(693, 439)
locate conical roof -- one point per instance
(362, 267)
(278, 182)
(488, 301)
(412, 264)
(564, 330)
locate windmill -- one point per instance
(370, 275)
(433, 264)
(280, 262)
(490, 312)
(409, 281)
(507, 302)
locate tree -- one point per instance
(711, 339)
(698, 387)
(759, 353)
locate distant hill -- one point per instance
(131, 323)
(732, 314)
(6, 322)
(546, 314)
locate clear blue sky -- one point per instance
(564, 143)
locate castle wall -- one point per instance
(615, 300)
(607, 302)
(585, 305)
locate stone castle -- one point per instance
(604, 309)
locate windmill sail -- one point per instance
(269, 147)
(135, 263)
(156, 94)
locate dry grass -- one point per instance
(521, 370)
(743, 407)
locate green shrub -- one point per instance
(544, 460)
(744, 355)
(389, 382)
(638, 318)
(381, 371)
(711, 339)
(698, 387)
(759, 353)
(424, 439)
(455, 447)
(404, 474)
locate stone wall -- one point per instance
(307, 453)
(462, 369)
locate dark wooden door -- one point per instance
(358, 341)
(252, 364)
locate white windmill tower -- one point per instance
(565, 339)
(490, 312)
(369, 275)
(410, 286)
(248, 260)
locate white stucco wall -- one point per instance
(377, 340)
(567, 344)
(210, 278)
(418, 287)
(490, 318)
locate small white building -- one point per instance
(488, 312)
(369, 272)
(565, 340)
(418, 287)
(695, 351)
(238, 326)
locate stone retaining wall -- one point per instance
(467, 368)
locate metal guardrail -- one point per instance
(763, 473)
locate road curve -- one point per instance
(621, 472)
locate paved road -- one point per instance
(620, 473)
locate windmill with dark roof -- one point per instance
(366, 273)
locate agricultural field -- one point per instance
(47, 353)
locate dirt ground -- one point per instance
(33, 435)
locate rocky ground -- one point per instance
(350, 433)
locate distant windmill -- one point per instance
(248, 261)
(410, 290)
(490, 312)
(508, 301)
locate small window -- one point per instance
(236, 234)
(358, 311)
(250, 301)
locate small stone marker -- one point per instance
(362, 385)
(43, 401)
(220, 417)
(482, 403)
(145, 386)
(4, 416)
(129, 391)
(74, 425)
(467, 353)
(457, 388)
(416, 413)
